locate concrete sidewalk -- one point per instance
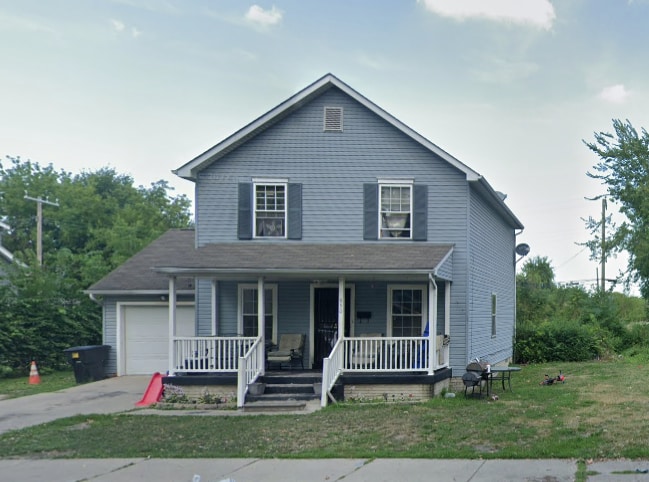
(325, 470)
(282, 470)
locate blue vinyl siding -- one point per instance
(332, 168)
(110, 334)
(492, 270)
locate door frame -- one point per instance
(352, 313)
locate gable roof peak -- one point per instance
(191, 169)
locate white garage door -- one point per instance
(146, 336)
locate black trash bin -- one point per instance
(88, 362)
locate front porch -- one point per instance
(375, 363)
(367, 320)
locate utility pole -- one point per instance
(39, 223)
(603, 245)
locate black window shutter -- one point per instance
(244, 229)
(370, 211)
(295, 211)
(420, 217)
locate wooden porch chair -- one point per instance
(289, 351)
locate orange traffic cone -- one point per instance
(34, 377)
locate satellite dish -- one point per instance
(522, 249)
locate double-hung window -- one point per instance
(248, 316)
(270, 209)
(407, 310)
(395, 212)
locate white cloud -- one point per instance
(538, 13)
(120, 27)
(23, 23)
(615, 94)
(263, 18)
(117, 25)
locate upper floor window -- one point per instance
(395, 201)
(270, 210)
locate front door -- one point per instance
(325, 321)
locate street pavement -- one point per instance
(117, 395)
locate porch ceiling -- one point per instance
(299, 259)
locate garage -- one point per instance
(145, 338)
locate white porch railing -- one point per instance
(380, 355)
(209, 353)
(251, 365)
(331, 369)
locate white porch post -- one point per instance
(215, 308)
(432, 325)
(261, 318)
(447, 317)
(172, 324)
(341, 308)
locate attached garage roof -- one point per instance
(174, 253)
(136, 275)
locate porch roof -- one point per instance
(288, 258)
(174, 253)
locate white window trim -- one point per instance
(253, 286)
(269, 182)
(409, 183)
(424, 302)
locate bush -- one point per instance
(559, 341)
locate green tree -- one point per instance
(623, 169)
(534, 288)
(101, 220)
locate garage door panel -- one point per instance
(146, 341)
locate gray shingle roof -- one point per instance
(136, 273)
(174, 253)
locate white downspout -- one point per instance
(341, 308)
(432, 323)
(172, 324)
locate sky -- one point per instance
(512, 88)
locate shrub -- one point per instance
(559, 341)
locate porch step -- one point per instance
(284, 392)
(290, 388)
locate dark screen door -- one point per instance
(325, 316)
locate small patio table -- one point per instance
(502, 374)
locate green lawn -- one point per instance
(20, 387)
(599, 412)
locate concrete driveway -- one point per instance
(112, 395)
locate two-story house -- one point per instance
(330, 218)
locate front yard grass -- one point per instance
(51, 382)
(599, 412)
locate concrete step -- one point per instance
(289, 388)
(268, 406)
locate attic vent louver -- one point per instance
(333, 119)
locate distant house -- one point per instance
(359, 232)
(6, 257)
